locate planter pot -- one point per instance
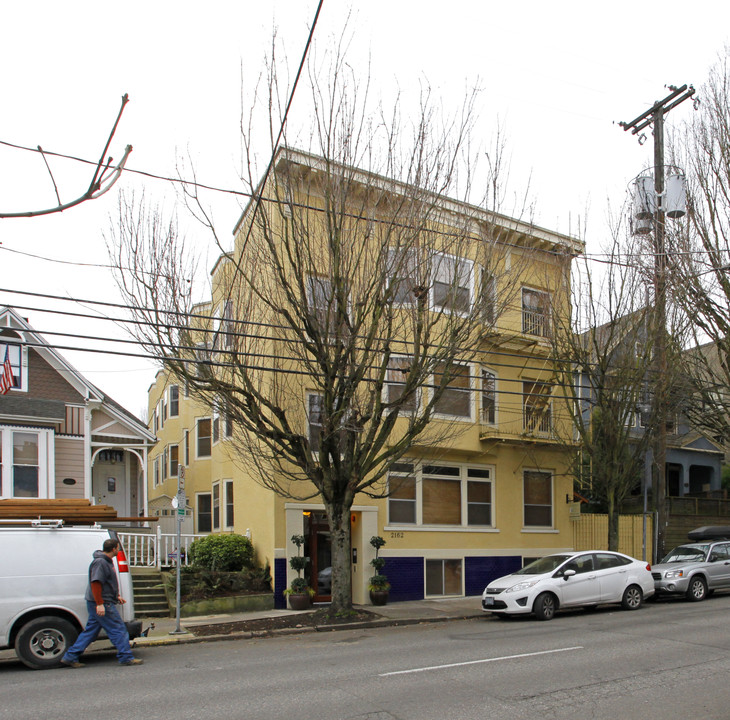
(300, 602)
(379, 597)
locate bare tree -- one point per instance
(603, 357)
(347, 314)
(700, 252)
(104, 177)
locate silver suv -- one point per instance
(695, 569)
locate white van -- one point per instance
(44, 572)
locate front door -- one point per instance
(109, 481)
(318, 548)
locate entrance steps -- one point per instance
(149, 594)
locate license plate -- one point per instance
(489, 601)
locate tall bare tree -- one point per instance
(700, 252)
(603, 356)
(353, 300)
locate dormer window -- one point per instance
(15, 355)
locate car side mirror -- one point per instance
(568, 574)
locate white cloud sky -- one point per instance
(556, 75)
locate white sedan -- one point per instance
(571, 579)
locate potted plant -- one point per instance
(378, 586)
(299, 593)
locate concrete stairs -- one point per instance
(149, 595)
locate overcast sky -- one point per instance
(557, 76)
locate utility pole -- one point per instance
(655, 116)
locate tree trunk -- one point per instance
(339, 520)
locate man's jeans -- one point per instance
(114, 627)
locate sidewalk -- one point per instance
(398, 613)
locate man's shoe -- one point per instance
(72, 663)
(133, 661)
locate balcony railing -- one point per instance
(535, 323)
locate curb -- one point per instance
(257, 634)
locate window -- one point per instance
(15, 355)
(488, 298)
(217, 506)
(538, 498)
(164, 463)
(456, 398)
(443, 577)
(478, 497)
(156, 472)
(314, 417)
(204, 513)
(536, 406)
(25, 465)
(228, 500)
(402, 494)
(187, 447)
(535, 308)
(174, 400)
(398, 369)
(227, 325)
(204, 437)
(489, 397)
(403, 275)
(155, 422)
(451, 288)
(440, 495)
(174, 460)
(324, 305)
(222, 421)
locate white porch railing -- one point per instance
(156, 549)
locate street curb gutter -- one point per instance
(256, 634)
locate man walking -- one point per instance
(102, 597)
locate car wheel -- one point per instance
(42, 642)
(697, 589)
(633, 598)
(545, 606)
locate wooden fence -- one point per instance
(590, 532)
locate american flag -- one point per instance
(6, 379)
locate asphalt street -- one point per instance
(667, 660)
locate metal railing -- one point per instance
(156, 549)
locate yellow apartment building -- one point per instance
(483, 489)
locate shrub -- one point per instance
(224, 553)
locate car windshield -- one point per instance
(543, 565)
(687, 553)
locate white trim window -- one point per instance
(444, 577)
(488, 297)
(441, 496)
(203, 444)
(489, 398)
(18, 355)
(228, 504)
(314, 421)
(535, 312)
(26, 466)
(452, 283)
(203, 512)
(174, 457)
(398, 368)
(156, 471)
(226, 326)
(174, 400)
(402, 274)
(537, 499)
(537, 407)
(216, 509)
(456, 400)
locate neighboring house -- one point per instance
(693, 466)
(60, 436)
(470, 508)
